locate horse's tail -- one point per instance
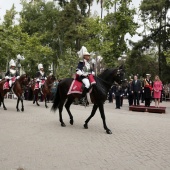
(56, 100)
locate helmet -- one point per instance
(12, 63)
(83, 51)
(40, 66)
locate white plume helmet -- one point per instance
(83, 51)
(12, 63)
(40, 66)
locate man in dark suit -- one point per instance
(136, 88)
(129, 91)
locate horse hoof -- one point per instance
(38, 105)
(85, 126)
(108, 131)
(33, 102)
(71, 122)
(46, 106)
(5, 108)
(63, 125)
(22, 109)
(18, 110)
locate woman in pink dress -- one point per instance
(157, 88)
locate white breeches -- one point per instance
(86, 82)
(40, 84)
(10, 83)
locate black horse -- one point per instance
(98, 95)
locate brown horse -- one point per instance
(45, 90)
(104, 81)
(23, 80)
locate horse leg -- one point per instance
(22, 104)
(18, 104)
(2, 100)
(36, 99)
(91, 115)
(60, 113)
(67, 106)
(45, 98)
(101, 108)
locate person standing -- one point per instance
(129, 93)
(117, 96)
(157, 88)
(136, 89)
(147, 90)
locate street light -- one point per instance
(19, 58)
(123, 57)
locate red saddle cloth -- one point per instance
(13, 79)
(6, 85)
(36, 86)
(42, 81)
(76, 87)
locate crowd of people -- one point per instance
(138, 91)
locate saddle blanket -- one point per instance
(6, 85)
(76, 87)
(36, 86)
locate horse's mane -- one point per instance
(107, 72)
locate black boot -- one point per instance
(85, 91)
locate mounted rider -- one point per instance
(40, 75)
(84, 71)
(12, 74)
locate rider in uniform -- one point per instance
(11, 75)
(40, 75)
(84, 69)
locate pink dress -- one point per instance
(157, 87)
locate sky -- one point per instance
(7, 4)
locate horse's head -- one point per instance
(24, 79)
(120, 76)
(50, 79)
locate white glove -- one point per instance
(45, 78)
(37, 79)
(79, 72)
(7, 77)
(18, 77)
(93, 73)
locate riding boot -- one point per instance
(85, 91)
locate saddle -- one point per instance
(6, 84)
(77, 86)
(37, 84)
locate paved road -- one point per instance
(34, 140)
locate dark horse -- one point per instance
(98, 95)
(23, 80)
(45, 90)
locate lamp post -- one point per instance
(19, 58)
(122, 58)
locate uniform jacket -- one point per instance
(40, 76)
(136, 86)
(10, 74)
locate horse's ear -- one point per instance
(121, 67)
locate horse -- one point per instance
(98, 95)
(45, 90)
(17, 87)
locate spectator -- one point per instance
(157, 88)
(129, 93)
(136, 88)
